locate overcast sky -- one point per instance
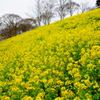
(21, 7)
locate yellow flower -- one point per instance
(71, 59)
(74, 53)
(15, 89)
(77, 75)
(63, 88)
(88, 96)
(69, 66)
(76, 98)
(98, 61)
(60, 82)
(40, 96)
(96, 85)
(59, 98)
(44, 81)
(80, 85)
(0, 90)
(67, 93)
(66, 53)
(27, 98)
(4, 98)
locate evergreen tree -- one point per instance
(98, 3)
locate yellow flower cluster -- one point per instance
(60, 61)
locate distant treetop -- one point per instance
(98, 3)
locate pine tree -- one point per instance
(98, 3)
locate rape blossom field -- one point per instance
(60, 61)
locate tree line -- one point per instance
(42, 14)
(46, 10)
(12, 25)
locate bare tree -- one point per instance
(26, 25)
(61, 8)
(72, 7)
(47, 11)
(43, 19)
(9, 24)
(84, 7)
(37, 11)
(8, 20)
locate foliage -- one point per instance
(12, 25)
(98, 3)
(60, 61)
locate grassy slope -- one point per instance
(59, 61)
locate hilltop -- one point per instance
(60, 61)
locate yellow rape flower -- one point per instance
(59, 98)
(67, 93)
(27, 98)
(76, 98)
(4, 98)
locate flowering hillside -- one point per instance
(60, 61)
